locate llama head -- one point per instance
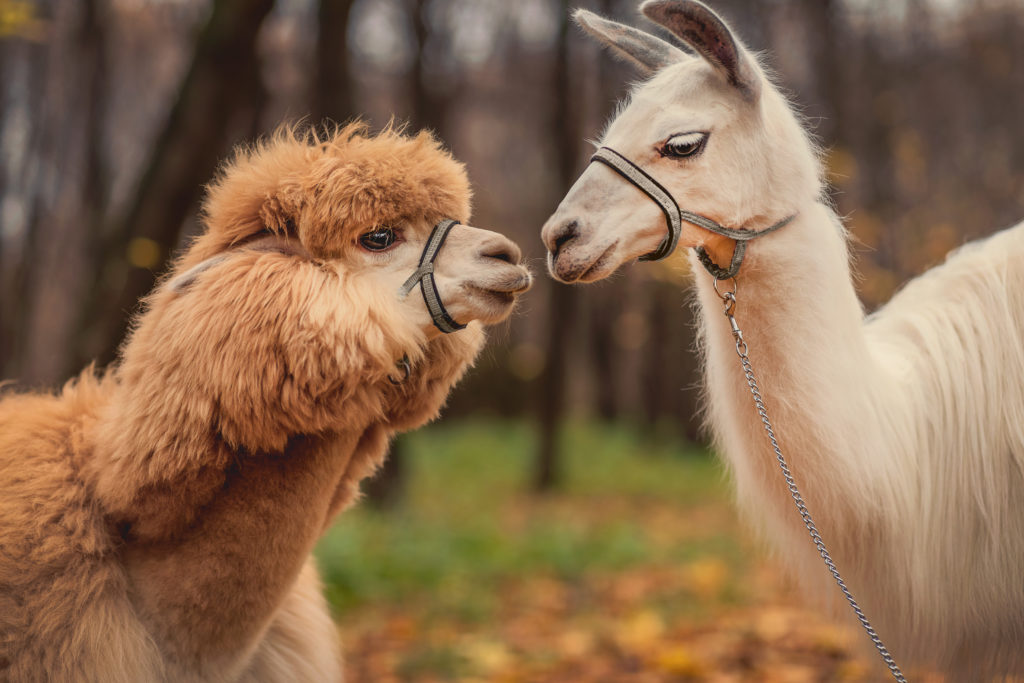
(711, 128)
(285, 315)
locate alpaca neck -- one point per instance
(802, 322)
(209, 592)
(213, 535)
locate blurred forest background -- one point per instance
(114, 113)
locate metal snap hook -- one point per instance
(728, 297)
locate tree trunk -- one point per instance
(605, 309)
(219, 82)
(603, 355)
(659, 379)
(332, 95)
(8, 308)
(424, 112)
(70, 203)
(386, 489)
(551, 402)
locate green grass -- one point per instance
(469, 521)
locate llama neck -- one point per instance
(802, 321)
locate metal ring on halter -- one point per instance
(424, 276)
(734, 291)
(675, 216)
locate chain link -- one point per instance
(729, 301)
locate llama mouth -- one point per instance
(595, 272)
(583, 272)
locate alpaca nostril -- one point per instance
(505, 251)
(501, 257)
(565, 234)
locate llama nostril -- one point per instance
(565, 234)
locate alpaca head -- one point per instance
(712, 129)
(287, 316)
(365, 206)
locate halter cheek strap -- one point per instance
(675, 216)
(424, 276)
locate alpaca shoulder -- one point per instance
(60, 583)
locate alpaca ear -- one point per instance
(179, 283)
(706, 32)
(280, 214)
(648, 52)
(278, 244)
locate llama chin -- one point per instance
(157, 518)
(903, 429)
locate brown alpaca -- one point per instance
(156, 522)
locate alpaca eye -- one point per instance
(684, 145)
(378, 239)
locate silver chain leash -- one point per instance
(729, 300)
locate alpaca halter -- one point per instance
(675, 216)
(424, 276)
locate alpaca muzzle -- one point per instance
(424, 276)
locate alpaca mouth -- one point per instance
(500, 296)
(496, 296)
(512, 285)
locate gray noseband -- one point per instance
(424, 275)
(675, 216)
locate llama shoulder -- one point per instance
(978, 290)
(950, 340)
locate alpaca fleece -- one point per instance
(156, 520)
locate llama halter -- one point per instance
(424, 275)
(675, 216)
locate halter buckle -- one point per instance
(424, 275)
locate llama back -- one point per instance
(950, 340)
(63, 600)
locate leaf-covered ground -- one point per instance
(636, 571)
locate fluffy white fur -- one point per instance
(904, 430)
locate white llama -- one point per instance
(905, 429)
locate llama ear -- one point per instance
(648, 52)
(706, 32)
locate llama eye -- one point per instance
(684, 145)
(378, 239)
